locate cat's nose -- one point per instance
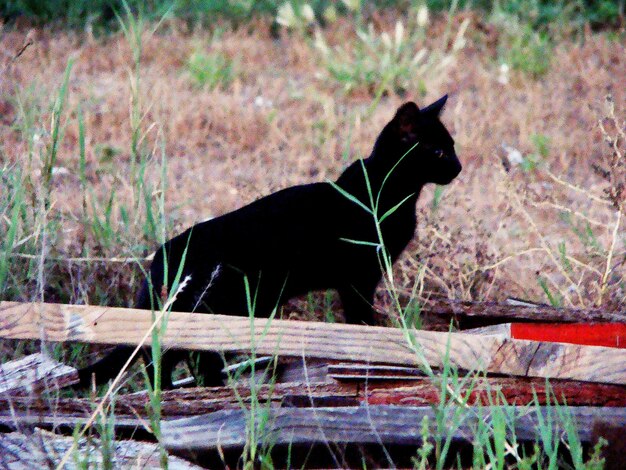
(457, 168)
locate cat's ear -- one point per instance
(437, 107)
(406, 122)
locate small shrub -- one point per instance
(295, 18)
(211, 71)
(388, 62)
(534, 160)
(527, 50)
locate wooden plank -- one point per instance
(192, 401)
(313, 370)
(370, 344)
(33, 374)
(131, 409)
(66, 422)
(501, 329)
(373, 373)
(372, 424)
(46, 450)
(498, 390)
(521, 312)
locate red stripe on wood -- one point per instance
(611, 335)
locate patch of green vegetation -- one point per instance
(12, 206)
(534, 160)
(541, 13)
(527, 50)
(555, 298)
(210, 70)
(529, 28)
(389, 61)
(33, 263)
(102, 13)
(80, 13)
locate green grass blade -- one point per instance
(59, 105)
(395, 208)
(350, 197)
(393, 168)
(361, 242)
(9, 241)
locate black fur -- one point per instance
(294, 241)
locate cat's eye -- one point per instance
(439, 153)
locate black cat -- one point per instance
(300, 239)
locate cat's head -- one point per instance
(433, 157)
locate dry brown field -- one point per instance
(548, 232)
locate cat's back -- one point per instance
(292, 215)
(289, 207)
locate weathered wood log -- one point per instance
(56, 322)
(57, 421)
(501, 313)
(34, 373)
(45, 450)
(512, 391)
(373, 424)
(311, 370)
(131, 410)
(285, 369)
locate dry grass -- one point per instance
(494, 234)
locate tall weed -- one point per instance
(494, 440)
(389, 61)
(586, 269)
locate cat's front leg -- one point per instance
(358, 303)
(207, 368)
(169, 360)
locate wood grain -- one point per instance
(373, 424)
(369, 344)
(34, 373)
(492, 311)
(131, 410)
(46, 450)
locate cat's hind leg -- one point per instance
(207, 368)
(358, 303)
